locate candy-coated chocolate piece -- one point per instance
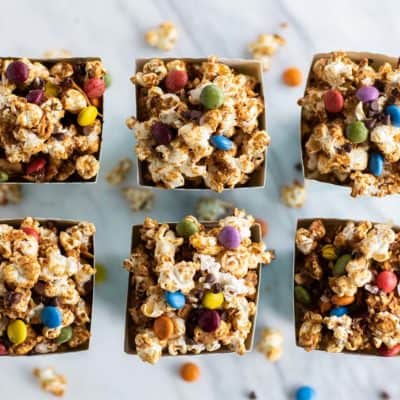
(376, 163)
(176, 80)
(340, 266)
(357, 132)
(94, 88)
(175, 299)
(3, 350)
(163, 327)
(87, 116)
(190, 372)
(338, 311)
(302, 295)
(367, 93)
(342, 300)
(329, 252)
(186, 228)
(386, 281)
(3, 176)
(333, 101)
(393, 111)
(35, 165)
(209, 320)
(31, 232)
(211, 97)
(17, 72)
(386, 352)
(35, 96)
(212, 300)
(51, 90)
(162, 133)
(17, 331)
(305, 393)
(221, 142)
(65, 335)
(229, 237)
(51, 317)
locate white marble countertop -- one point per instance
(114, 30)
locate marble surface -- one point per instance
(114, 30)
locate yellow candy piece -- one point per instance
(51, 90)
(329, 252)
(17, 331)
(87, 116)
(212, 300)
(101, 274)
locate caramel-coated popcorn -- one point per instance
(50, 381)
(265, 47)
(164, 36)
(218, 285)
(353, 303)
(294, 195)
(271, 344)
(176, 132)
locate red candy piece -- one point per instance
(35, 166)
(393, 351)
(162, 133)
(94, 88)
(333, 101)
(31, 232)
(386, 281)
(3, 350)
(176, 80)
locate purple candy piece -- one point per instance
(209, 320)
(367, 93)
(17, 72)
(162, 133)
(229, 237)
(35, 96)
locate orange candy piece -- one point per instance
(163, 327)
(342, 300)
(190, 372)
(325, 306)
(264, 226)
(292, 76)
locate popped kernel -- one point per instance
(50, 381)
(294, 195)
(139, 199)
(265, 47)
(164, 36)
(118, 174)
(271, 344)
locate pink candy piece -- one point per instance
(94, 88)
(386, 281)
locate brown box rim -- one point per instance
(130, 348)
(378, 59)
(71, 60)
(252, 67)
(60, 223)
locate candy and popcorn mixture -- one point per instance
(50, 119)
(193, 287)
(265, 47)
(351, 124)
(199, 124)
(347, 287)
(164, 36)
(50, 381)
(46, 283)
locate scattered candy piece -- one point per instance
(293, 195)
(386, 281)
(394, 112)
(101, 274)
(333, 101)
(209, 320)
(186, 228)
(384, 395)
(211, 97)
(212, 301)
(264, 226)
(65, 335)
(94, 88)
(35, 96)
(175, 299)
(357, 132)
(17, 72)
(139, 199)
(212, 208)
(50, 381)
(329, 252)
(229, 237)
(301, 295)
(252, 395)
(107, 79)
(87, 116)
(367, 93)
(386, 352)
(271, 344)
(162, 133)
(51, 317)
(176, 80)
(338, 311)
(305, 393)
(221, 142)
(340, 266)
(31, 232)
(17, 331)
(163, 327)
(35, 166)
(292, 76)
(376, 163)
(3, 176)
(164, 36)
(190, 372)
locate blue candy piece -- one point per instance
(175, 299)
(51, 317)
(338, 311)
(394, 112)
(305, 393)
(375, 164)
(221, 142)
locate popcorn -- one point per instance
(10, 194)
(293, 195)
(139, 199)
(164, 36)
(87, 166)
(118, 174)
(265, 47)
(376, 244)
(170, 279)
(271, 344)
(50, 381)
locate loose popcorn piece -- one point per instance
(350, 124)
(57, 53)
(265, 47)
(118, 174)
(164, 36)
(199, 124)
(46, 281)
(188, 292)
(346, 287)
(139, 199)
(50, 119)
(10, 194)
(50, 381)
(271, 344)
(212, 209)
(294, 195)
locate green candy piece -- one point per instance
(357, 132)
(301, 295)
(340, 266)
(65, 335)
(211, 97)
(3, 176)
(107, 80)
(186, 228)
